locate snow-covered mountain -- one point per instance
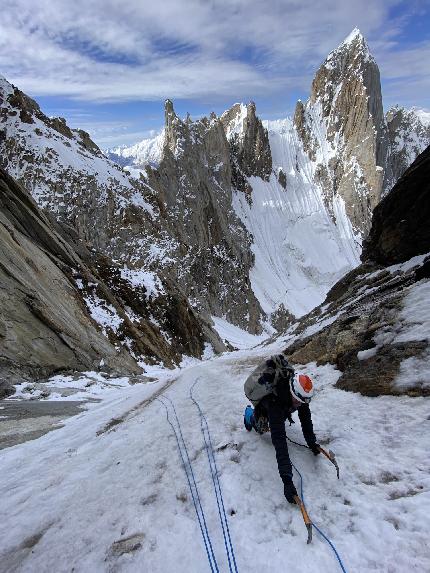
(239, 220)
(146, 152)
(307, 201)
(300, 249)
(408, 135)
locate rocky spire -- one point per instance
(349, 78)
(170, 121)
(249, 144)
(346, 105)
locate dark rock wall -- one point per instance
(401, 221)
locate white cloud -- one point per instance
(213, 52)
(118, 51)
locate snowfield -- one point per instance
(108, 492)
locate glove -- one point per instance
(315, 449)
(290, 491)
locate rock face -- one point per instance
(375, 322)
(345, 106)
(66, 307)
(400, 228)
(212, 255)
(44, 325)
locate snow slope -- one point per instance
(300, 249)
(107, 492)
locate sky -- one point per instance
(107, 66)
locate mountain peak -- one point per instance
(233, 119)
(169, 112)
(354, 35)
(353, 45)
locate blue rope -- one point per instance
(195, 495)
(217, 485)
(316, 527)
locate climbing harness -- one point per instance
(217, 485)
(186, 463)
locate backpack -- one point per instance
(264, 379)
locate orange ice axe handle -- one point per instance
(306, 517)
(330, 456)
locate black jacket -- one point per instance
(278, 408)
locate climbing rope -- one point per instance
(313, 524)
(216, 483)
(192, 482)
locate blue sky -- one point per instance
(107, 66)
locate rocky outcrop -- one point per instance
(368, 325)
(212, 255)
(65, 307)
(249, 145)
(343, 131)
(400, 226)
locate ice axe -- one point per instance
(306, 517)
(330, 456)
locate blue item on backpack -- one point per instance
(248, 418)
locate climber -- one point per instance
(277, 391)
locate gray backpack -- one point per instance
(263, 380)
